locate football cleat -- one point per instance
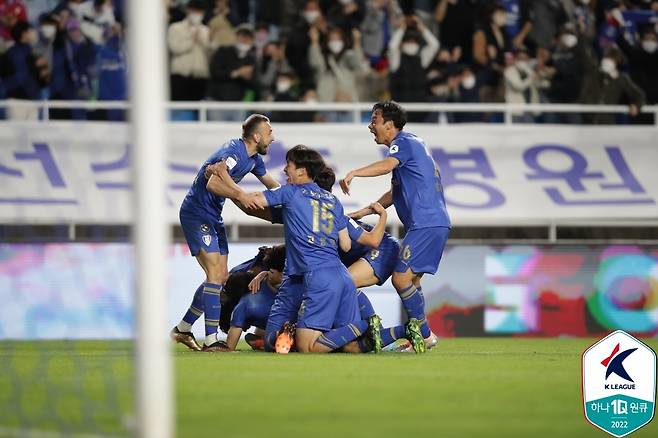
(412, 332)
(216, 347)
(286, 339)
(399, 346)
(431, 341)
(257, 343)
(374, 333)
(185, 338)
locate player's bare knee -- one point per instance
(400, 281)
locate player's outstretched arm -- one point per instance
(386, 200)
(233, 337)
(269, 181)
(378, 168)
(374, 238)
(265, 214)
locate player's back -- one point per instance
(312, 219)
(239, 164)
(416, 182)
(254, 309)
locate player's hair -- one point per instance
(276, 258)
(307, 158)
(326, 178)
(250, 125)
(392, 111)
(237, 286)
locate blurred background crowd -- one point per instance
(470, 51)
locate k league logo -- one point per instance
(619, 384)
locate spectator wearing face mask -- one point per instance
(232, 74)
(47, 34)
(22, 78)
(490, 44)
(522, 85)
(408, 62)
(112, 70)
(335, 66)
(467, 90)
(188, 42)
(565, 70)
(299, 42)
(270, 65)
(606, 85)
(284, 91)
(643, 61)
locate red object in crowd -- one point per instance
(13, 8)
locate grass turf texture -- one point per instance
(464, 387)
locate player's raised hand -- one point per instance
(345, 183)
(377, 208)
(254, 285)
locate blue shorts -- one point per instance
(330, 300)
(384, 258)
(286, 303)
(421, 250)
(203, 233)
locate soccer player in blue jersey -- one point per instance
(417, 194)
(370, 261)
(201, 220)
(254, 309)
(315, 225)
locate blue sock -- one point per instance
(424, 325)
(336, 338)
(414, 303)
(212, 306)
(365, 306)
(392, 334)
(196, 308)
(270, 340)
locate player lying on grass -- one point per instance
(252, 309)
(314, 227)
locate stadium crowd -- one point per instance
(554, 51)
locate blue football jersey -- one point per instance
(312, 218)
(253, 309)
(234, 152)
(416, 183)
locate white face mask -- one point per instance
(608, 66)
(468, 82)
(283, 85)
(48, 31)
(346, 2)
(311, 16)
(195, 19)
(335, 46)
(569, 40)
(649, 46)
(311, 100)
(584, 2)
(243, 48)
(410, 49)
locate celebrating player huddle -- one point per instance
(311, 303)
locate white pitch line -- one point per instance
(38, 433)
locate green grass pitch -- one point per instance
(495, 387)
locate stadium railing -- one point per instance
(356, 109)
